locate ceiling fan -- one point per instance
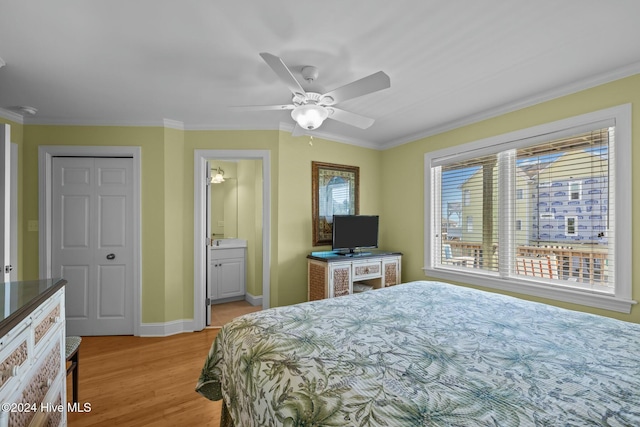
(310, 109)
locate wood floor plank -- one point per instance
(134, 381)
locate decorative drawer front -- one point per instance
(340, 280)
(14, 360)
(34, 392)
(367, 270)
(45, 324)
(391, 273)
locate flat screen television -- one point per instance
(351, 232)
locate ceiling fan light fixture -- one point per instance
(309, 116)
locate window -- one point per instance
(571, 168)
(467, 197)
(571, 227)
(575, 190)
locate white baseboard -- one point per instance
(165, 329)
(253, 300)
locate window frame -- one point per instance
(578, 192)
(573, 227)
(621, 300)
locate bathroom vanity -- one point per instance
(227, 270)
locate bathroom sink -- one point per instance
(229, 243)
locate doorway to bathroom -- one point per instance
(232, 217)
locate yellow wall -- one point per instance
(294, 203)
(404, 168)
(173, 220)
(250, 220)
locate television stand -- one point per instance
(330, 275)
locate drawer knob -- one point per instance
(11, 371)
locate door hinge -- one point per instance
(8, 269)
(208, 241)
(209, 301)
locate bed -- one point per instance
(423, 354)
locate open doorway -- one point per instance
(202, 163)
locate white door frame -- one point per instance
(200, 187)
(5, 202)
(14, 212)
(45, 158)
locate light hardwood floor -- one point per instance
(222, 313)
(134, 381)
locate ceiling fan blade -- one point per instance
(262, 107)
(373, 83)
(349, 118)
(284, 73)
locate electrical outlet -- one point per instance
(32, 225)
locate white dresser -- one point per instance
(32, 354)
(330, 275)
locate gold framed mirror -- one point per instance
(335, 191)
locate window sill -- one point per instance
(586, 298)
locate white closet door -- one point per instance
(93, 242)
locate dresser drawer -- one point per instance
(47, 317)
(46, 375)
(367, 270)
(14, 357)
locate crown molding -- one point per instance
(11, 115)
(91, 122)
(224, 127)
(558, 92)
(173, 124)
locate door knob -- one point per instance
(111, 256)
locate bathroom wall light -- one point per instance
(218, 177)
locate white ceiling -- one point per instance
(123, 62)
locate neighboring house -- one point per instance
(571, 206)
(552, 205)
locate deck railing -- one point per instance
(579, 264)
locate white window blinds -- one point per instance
(567, 233)
(539, 209)
(544, 211)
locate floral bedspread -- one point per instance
(425, 354)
